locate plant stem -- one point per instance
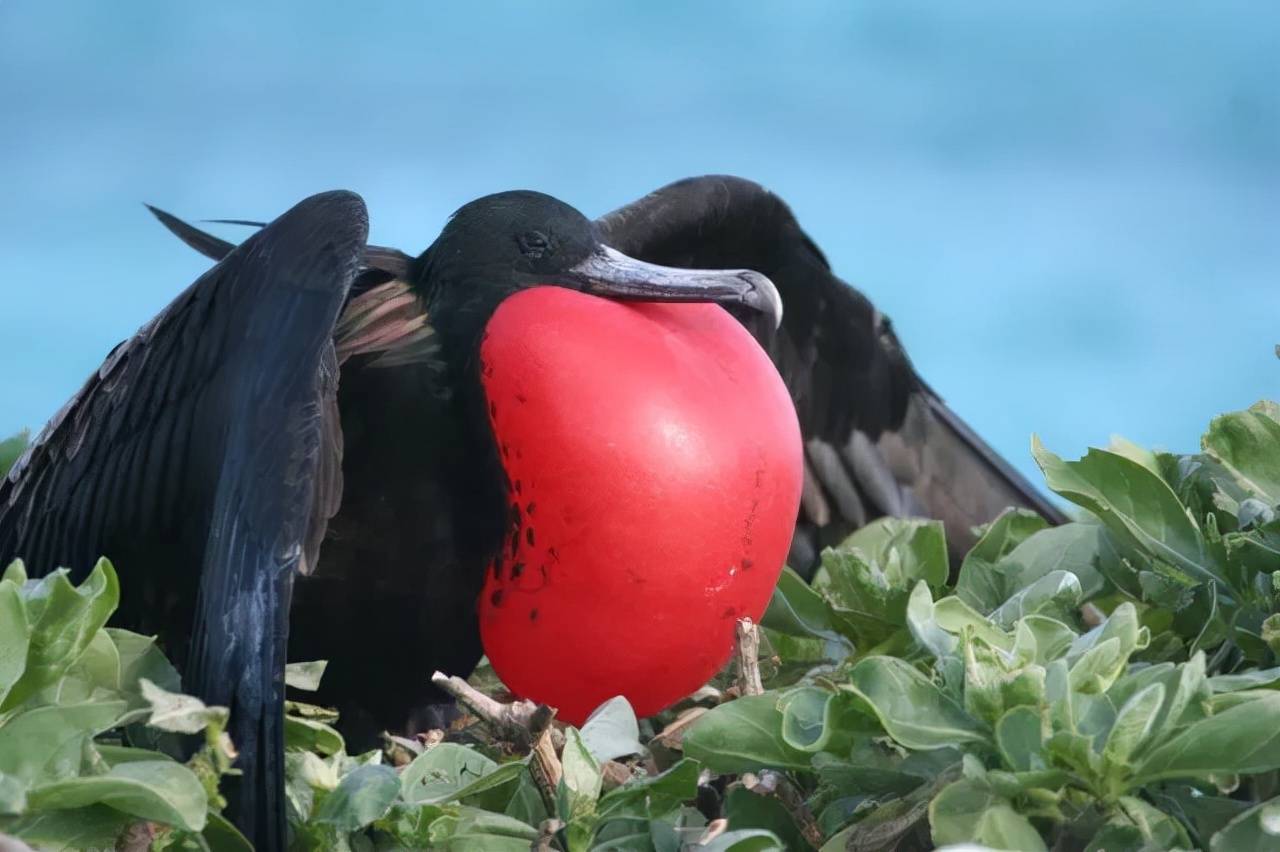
(748, 656)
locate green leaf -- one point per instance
(748, 810)
(579, 787)
(1247, 444)
(114, 754)
(1018, 735)
(94, 675)
(14, 637)
(1189, 697)
(15, 572)
(45, 744)
(954, 616)
(11, 449)
(612, 731)
(141, 658)
(493, 791)
(363, 795)
(1255, 830)
(1138, 825)
(1054, 594)
(409, 825)
(910, 707)
(1099, 657)
(865, 606)
(744, 735)
(905, 549)
(1074, 751)
(744, 840)
(981, 584)
(1018, 550)
(13, 797)
(157, 790)
(94, 827)
(305, 676)
(442, 771)
(222, 836)
(1050, 638)
(816, 719)
(652, 797)
(924, 626)
(1132, 502)
(798, 610)
(465, 829)
(1123, 447)
(1075, 548)
(985, 677)
(967, 811)
(1243, 739)
(526, 802)
(1205, 814)
(623, 835)
(182, 714)
(309, 735)
(1133, 725)
(1253, 679)
(63, 620)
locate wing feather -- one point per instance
(204, 457)
(878, 440)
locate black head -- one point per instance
(499, 244)
(513, 238)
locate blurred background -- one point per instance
(1072, 213)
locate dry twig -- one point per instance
(673, 734)
(544, 763)
(771, 783)
(512, 722)
(714, 829)
(748, 656)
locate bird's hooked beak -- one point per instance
(612, 274)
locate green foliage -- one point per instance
(11, 448)
(1113, 683)
(68, 689)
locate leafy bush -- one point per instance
(1108, 684)
(70, 689)
(10, 449)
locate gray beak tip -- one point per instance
(763, 296)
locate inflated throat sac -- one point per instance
(654, 470)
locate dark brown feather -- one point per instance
(878, 440)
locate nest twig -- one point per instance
(747, 654)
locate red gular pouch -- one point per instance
(654, 463)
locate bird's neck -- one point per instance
(478, 481)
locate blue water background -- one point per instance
(1071, 212)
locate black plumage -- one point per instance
(878, 440)
(294, 414)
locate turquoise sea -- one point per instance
(1071, 212)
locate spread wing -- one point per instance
(204, 458)
(878, 440)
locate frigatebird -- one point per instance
(311, 407)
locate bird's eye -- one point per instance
(534, 244)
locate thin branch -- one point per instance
(544, 763)
(748, 656)
(548, 839)
(673, 734)
(772, 783)
(714, 829)
(513, 722)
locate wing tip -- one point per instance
(342, 209)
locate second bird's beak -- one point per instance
(612, 274)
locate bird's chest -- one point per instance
(652, 463)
